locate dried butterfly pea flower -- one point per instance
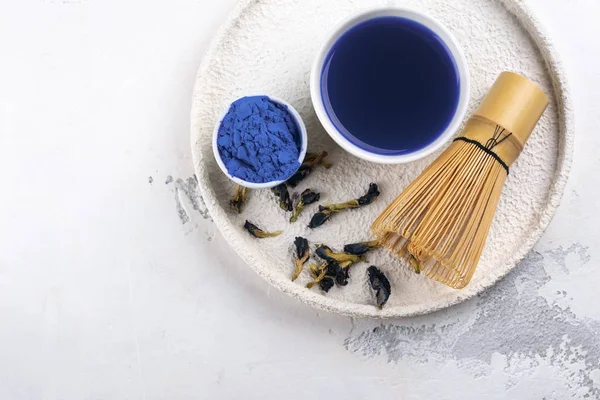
(311, 156)
(361, 248)
(295, 199)
(238, 200)
(371, 195)
(259, 233)
(320, 217)
(305, 169)
(367, 199)
(318, 272)
(307, 197)
(324, 213)
(326, 284)
(332, 269)
(301, 256)
(344, 206)
(327, 254)
(281, 191)
(380, 284)
(342, 278)
(339, 271)
(328, 273)
(315, 270)
(342, 272)
(414, 263)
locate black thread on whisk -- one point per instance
(493, 141)
(482, 147)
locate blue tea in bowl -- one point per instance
(390, 85)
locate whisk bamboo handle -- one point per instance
(513, 106)
(515, 103)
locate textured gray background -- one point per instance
(114, 283)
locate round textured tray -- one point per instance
(268, 46)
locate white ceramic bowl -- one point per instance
(266, 185)
(423, 19)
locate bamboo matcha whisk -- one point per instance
(440, 222)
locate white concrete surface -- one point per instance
(106, 294)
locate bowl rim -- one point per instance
(303, 145)
(417, 16)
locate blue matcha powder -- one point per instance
(259, 140)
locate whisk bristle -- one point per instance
(442, 219)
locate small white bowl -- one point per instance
(266, 185)
(423, 19)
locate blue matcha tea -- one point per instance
(390, 85)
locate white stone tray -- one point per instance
(267, 46)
